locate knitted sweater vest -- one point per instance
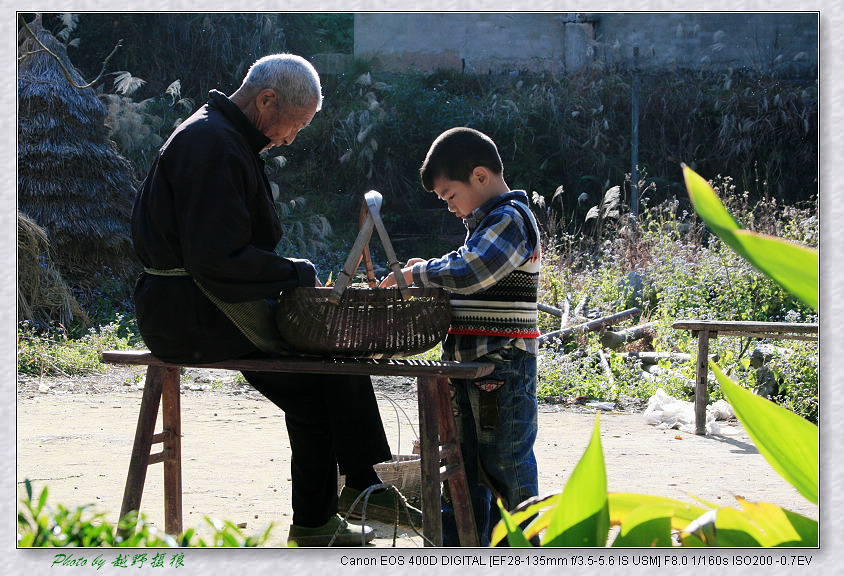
(507, 308)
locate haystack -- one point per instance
(71, 179)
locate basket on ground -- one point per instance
(404, 472)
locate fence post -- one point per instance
(634, 170)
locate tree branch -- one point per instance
(59, 61)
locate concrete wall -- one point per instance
(711, 40)
(566, 42)
(482, 42)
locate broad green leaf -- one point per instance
(782, 528)
(710, 209)
(646, 526)
(805, 527)
(581, 516)
(515, 536)
(622, 504)
(788, 442)
(706, 202)
(792, 266)
(725, 527)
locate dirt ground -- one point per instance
(74, 435)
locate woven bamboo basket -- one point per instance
(404, 472)
(364, 322)
(368, 322)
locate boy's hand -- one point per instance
(390, 280)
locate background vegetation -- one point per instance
(564, 140)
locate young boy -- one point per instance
(493, 280)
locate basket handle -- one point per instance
(360, 249)
(373, 202)
(367, 257)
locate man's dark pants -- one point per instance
(332, 419)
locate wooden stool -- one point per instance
(436, 422)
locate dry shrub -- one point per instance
(43, 295)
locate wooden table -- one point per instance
(706, 329)
(436, 423)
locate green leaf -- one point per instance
(515, 536)
(781, 527)
(806, 528)
(622, 504)
(788, 442)
(646, 526)
(792, 266)
(42, 499)
(724, 527)
(530, 507)
(706, 202)
(581, 516)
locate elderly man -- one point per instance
(205, 228)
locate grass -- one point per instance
(52, 352)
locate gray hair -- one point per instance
(293, 79)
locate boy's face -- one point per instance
(461, 198)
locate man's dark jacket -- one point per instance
(206, 206)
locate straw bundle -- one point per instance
(43, 295)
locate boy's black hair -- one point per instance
(455, 153)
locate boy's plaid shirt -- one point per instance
(487, 256)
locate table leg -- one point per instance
(429, 445)
(701, 388)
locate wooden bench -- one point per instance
(436, 423)
(706, 329)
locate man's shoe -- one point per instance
(381, 506)
(347, 535)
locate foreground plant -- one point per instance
(39, 525)
(582, 513)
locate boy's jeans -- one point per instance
(496, 428)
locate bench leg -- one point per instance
(429, 448)
(455, 473)
(172, 448)
(436, 422)
(160, 381)
(701, 388)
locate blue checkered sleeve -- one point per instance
(487, 257)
